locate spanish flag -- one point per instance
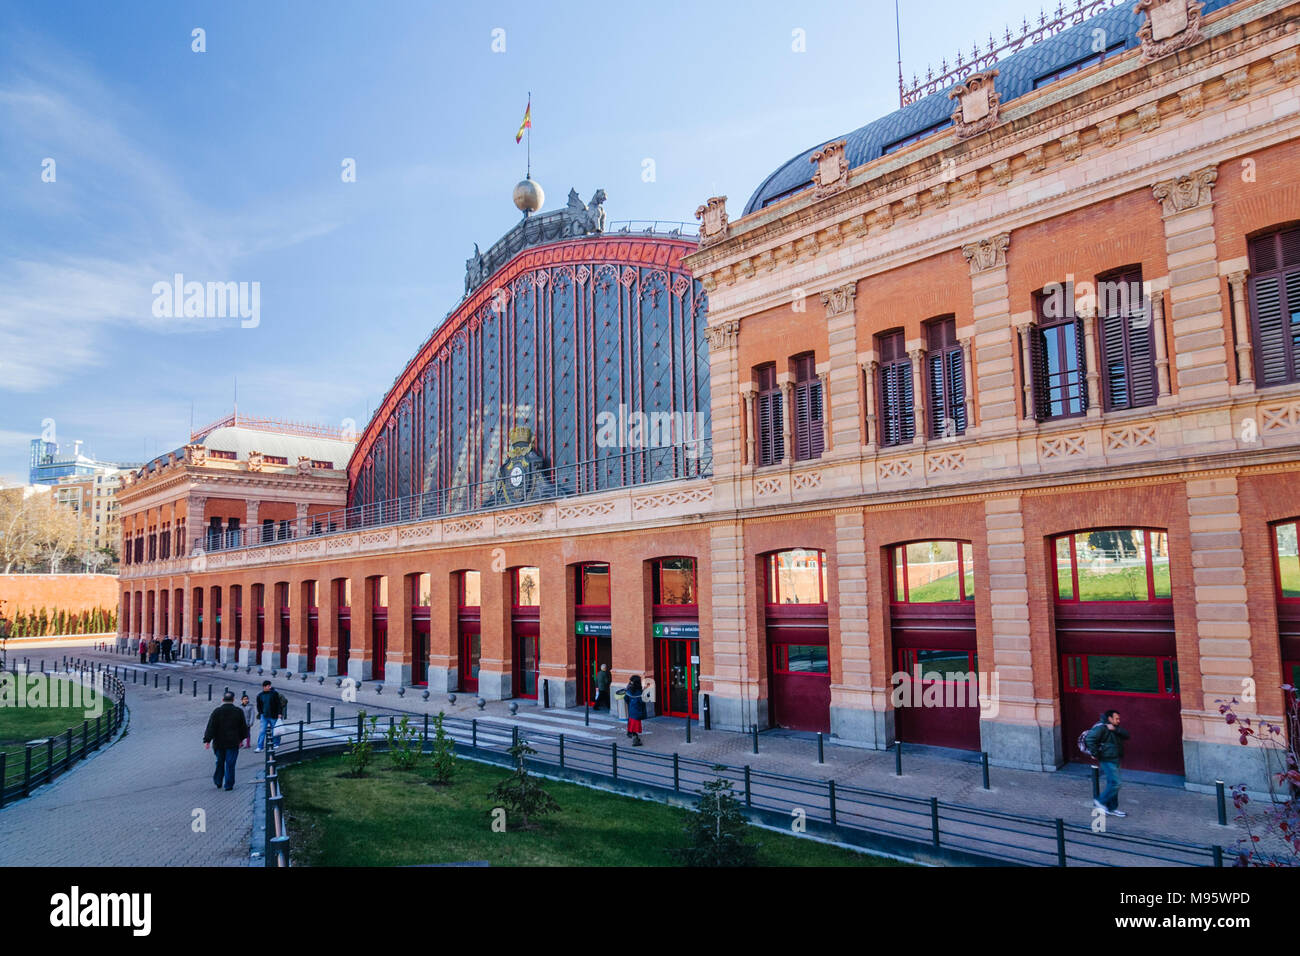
(527, 123)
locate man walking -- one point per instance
(602, 688)
(1105, 741)
(269, 711)
(226, 728)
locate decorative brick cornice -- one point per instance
(840, 299)
(1186, 192)
(987, 253)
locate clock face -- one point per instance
(516, 476)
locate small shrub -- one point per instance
(520, 793)
(361, 750)
(444, 753)
(403, 744)
(717, 831)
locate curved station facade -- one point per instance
(992, 423)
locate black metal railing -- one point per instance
(640, 467)
(851, 811)
(41, 761)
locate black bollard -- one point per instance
(898, 758)
(821, 747)
(1223, 807)
(984, 764)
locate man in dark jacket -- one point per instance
(226, 729)
(1105, 741)
(602, 688)
(269, 710)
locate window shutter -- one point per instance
(1115, 361)
(1141, 357)
(816, 421)
(1271, 333)
(957, 392)
(765, 429)
(937, 394)
(1042, 407)
(1081, 382)
(907, 407)
(802, 423)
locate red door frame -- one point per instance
(663, 657)
(470, 628)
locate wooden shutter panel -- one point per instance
(1081, 349)
(1115, 361)
(936, 393)
(906, 406)
(957, 391)
(1042, 406)
(802, 423)
(1271, 332)
(816, 421)
(765, 429)
(1141, 357)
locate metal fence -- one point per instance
(40, 761)
(852, 814)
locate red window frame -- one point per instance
(415, 589)
(1074, 676)
(514, 586)
(781, 658)
(461, 589)
(907, 662)
(1074, 569)
(580, 600)
(1277, 561)
(897, 549)
(773, 565)
(659, 587)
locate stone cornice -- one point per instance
(1026, 122)
(1135, 177)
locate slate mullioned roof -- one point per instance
(1018, 73)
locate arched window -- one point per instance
(471, 589)
(528, 587)
(933, 572)
(797, 576)
(1113, 564)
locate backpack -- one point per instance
(284, 705)
(1083, 742)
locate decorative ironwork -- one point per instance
(575, 220)
(982, 59)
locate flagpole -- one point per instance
(529, 172)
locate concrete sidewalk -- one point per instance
(1156, 810)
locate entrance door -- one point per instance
(261, 637)
(799, 659)
(381, 650)
(1145, 692)
(313, 638)
(345, 643)
(284, 638)
(592, 652)
(679, 672)
(420, 654)
(941, 706)
(525, 665)
(467, 661)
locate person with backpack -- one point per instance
(226, 728)
(271, 707)
(1104, 742)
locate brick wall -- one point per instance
(70, 592)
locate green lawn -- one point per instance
(30, 722)
(395, 818)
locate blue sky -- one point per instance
(225, 166)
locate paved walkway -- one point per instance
(134, 803)
(145, 800)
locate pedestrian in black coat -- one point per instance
(226, 730)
